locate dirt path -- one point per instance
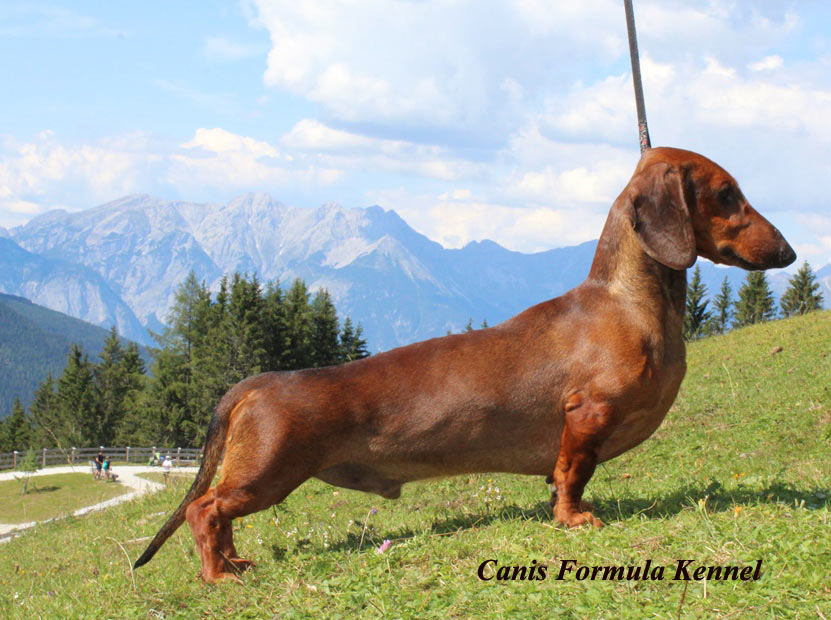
(126, 476)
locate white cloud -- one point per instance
(312, 135)
(216, 158)
(593, 112)
(352, 151)
(44, 172)
(457, 194)
(567, 186)
(23, 207)
(729, 99)
(817, 250)
(453, 63)
(218, 140)
(435, 64)
(455, 218)
(767, 63)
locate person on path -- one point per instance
(166, 466)
(99, 463)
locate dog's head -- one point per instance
(683, 205)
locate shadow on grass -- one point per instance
(684, 498)
(374, 535)
(33, 489)
(719, 499)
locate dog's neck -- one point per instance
(621, 264)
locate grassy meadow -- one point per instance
(740, 471)
(52, 496)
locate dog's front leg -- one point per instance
(587, 424)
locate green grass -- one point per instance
(52, 496)
(175, 478)
(739, 471)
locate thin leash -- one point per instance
(643, 130)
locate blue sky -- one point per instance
(509, 120)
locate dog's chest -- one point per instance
(637, 424)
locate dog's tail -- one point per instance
(212, 454)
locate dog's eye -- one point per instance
(726, 195)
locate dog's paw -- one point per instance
(577, 519)
(571, 517)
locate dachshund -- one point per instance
(554, 391)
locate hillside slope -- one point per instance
(34, 341)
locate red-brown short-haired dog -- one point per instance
(554, 391)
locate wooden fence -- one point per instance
(82, 456)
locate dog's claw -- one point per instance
(581, 518)
(578, 514)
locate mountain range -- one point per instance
(120, 264)
(67, 287)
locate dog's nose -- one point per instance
(786, 254)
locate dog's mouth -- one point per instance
(730, 257)
(784, 257)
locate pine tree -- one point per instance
(469, 326)
(722, 308)
(247, 347)
(326, 330)
(43, 412)
(346, 340)
(129, 429)
(274, 327)
(352, 343)
(174, 396)
(696, 315)
(78, 420)
(216, 363)
(142, 424)
(484, 324)
(167, 396)
(755, 303)
(110, 387)
(133, 367)
(299, 328)
(17, 429)
(802, 294)
(189, 316)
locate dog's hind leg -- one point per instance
(243, 489)
(211, 520)
(213, 534)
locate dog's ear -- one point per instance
(660, 216)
